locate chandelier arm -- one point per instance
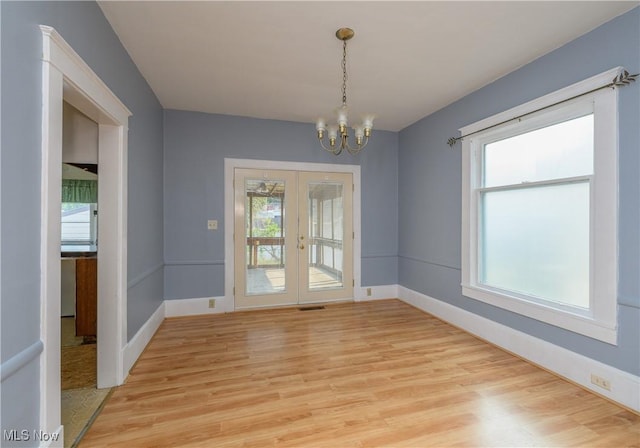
(366, 140)
(335, 151)
(354, 151)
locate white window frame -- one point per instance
(600, 321)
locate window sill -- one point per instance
(577, 323)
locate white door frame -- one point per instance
(229, 203)
(66, 76)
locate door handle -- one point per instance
(301, 246)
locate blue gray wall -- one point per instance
(84, 27)
(429, 243)
(196, 145)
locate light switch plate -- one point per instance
(212, 224)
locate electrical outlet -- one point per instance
(212, 224)
(212, 303)
(368, 292)
(600, 382)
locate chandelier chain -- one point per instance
(344, 72)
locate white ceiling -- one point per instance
(281, 60)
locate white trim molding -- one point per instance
(200, 306)
(197, 306)
(134, 348)
(379, 292)
(89, 87)
(598, 320)
(65, 76)
(625, 387)
(54, 439)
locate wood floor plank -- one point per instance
(351, 375)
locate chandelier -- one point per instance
(338, 135)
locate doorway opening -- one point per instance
(294, 233)
(80, 396)
(67, 78)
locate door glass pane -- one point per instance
(265, 232)
(562, 150)
(535, 241)
(326, 232)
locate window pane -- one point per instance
(264, 233)
(326, 230)
(535, 241)
(76, 223)
(562, 150)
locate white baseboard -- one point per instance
(223, 304)
(193, 307)
(53, 440)
(137, 344)
(377, 293)
(625, 387)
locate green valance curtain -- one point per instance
(84, 191)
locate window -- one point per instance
(79, 224)
(540, 210)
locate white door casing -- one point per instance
(65, 76)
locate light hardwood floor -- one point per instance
(363, 375)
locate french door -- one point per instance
(293, 237)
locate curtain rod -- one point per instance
(623, 79)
